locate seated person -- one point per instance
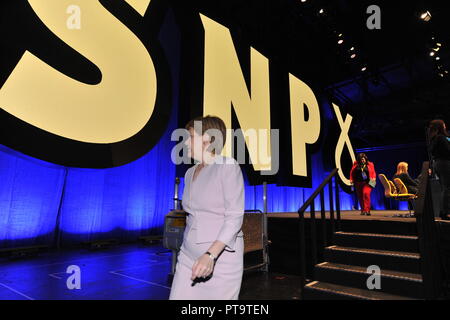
(402, 174)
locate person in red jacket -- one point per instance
(363, 177)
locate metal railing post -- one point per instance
(338, 204)
(265, 231)
(313, 233)
(323, 218)
(302, 250)
(330, 194)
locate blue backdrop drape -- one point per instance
(38, 198)
(123, 202)
(30, 194)
(132, 200)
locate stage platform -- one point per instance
(137, 271)
(382, 215)
(385, 215)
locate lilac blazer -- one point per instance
(215, 201)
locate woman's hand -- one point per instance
(203, 267)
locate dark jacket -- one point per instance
(409, 183)
(440, 147)
(370, 169)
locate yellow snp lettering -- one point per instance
(302, 131)
(111, 111)
(343, 140)
(224, 85)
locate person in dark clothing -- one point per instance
(439, 144)
(402, 174)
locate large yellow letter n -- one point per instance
(224, 86)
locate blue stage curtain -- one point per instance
(124, 202)
(290, 199)
(132, 200)
(30, 195)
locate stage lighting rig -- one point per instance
(425, 16)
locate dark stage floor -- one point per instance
(136, 271)
(132, 271)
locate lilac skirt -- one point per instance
(223, 284)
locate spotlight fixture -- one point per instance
(431, 53)
(437, 58)
(321, 11)
(303, 0)
(353, 55)
(364, 68)
(426, 16)
(340, 41)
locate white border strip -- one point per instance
(15, 291)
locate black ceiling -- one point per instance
(400, 90)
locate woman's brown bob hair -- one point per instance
(207, 123)
(436, 127)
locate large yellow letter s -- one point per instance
(115, 109)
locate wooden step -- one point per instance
(379, 226)
(379, 235)
(385, 259)
(318, 290)
(392, 282)
(405, 243)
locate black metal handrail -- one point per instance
(301, 212)
(428, 240)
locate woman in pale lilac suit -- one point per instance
(210, 262)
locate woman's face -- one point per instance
(196, 145)
(363, 160)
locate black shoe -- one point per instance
(367, 213)
(363, 213)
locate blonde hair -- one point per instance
(402, 167)
(210, 122)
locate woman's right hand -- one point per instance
(203, 267)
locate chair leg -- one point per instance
(411, 207)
